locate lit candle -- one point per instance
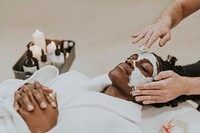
(36, 50)
(39, 39)
(51, 47)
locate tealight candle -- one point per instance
(36, 50)
(39, 39)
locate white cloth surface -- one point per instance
(82, 109)
(153, 118)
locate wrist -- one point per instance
(192, 86)
(166, 20)
(37, 131)
(186, 86)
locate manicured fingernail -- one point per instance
(137, 90)
(155, 78)
(43, 105)
(134, 94)
(137, 99)
(53, 104)
(30, 107)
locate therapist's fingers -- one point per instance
(147, 36)
(150, 102)
(156, 99)
(150, 86)
(164, 74)
(148, 93)
(135, 35)
(152, 39)
(165, 39)
(140, 36)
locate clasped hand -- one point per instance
(36, 107)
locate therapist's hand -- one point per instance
(151, 33)
(168, 86)
(38, 120)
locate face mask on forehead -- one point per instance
(137, 78)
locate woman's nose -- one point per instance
(130, 63)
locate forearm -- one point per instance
(178, 10)
(192, 85)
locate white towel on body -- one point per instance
(82, 108)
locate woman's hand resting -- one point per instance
(38, 120)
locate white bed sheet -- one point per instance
(153, 118)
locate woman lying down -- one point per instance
(104, 104)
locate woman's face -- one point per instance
(137, 69)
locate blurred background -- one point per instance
(102, 31)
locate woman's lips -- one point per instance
(125, 67)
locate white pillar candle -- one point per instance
(51, 47)
(36, 50)
(39, 39)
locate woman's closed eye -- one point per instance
(144, 69)
(147, 69)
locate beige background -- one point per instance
(102, 30)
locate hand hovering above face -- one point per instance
(38, 120)
(151, 33)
